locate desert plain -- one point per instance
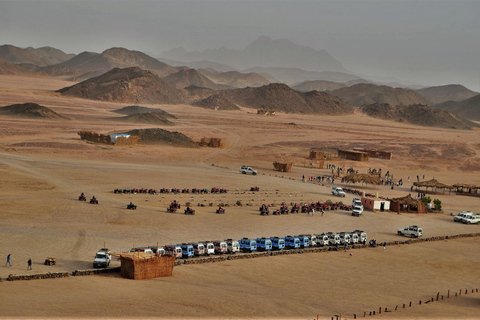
(45, 166)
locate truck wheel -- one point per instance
(244, 172)
(399, 233)
(254, 174)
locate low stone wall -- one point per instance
(90, 272)
(240, 256)
(49, 275)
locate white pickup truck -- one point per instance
(102, 259)
(337, 191)
(247, 169)
(411, 231)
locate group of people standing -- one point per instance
(9, 262)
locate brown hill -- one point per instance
(50, 55)
(235, 79)
(469, 108)
(215, 102)
(191, 77)
(9, 68)
(280, 97)
(418, 114)
(98, 63)
(149, 118)
(451, 92)
(318, 85)
(130, 110)
(365, 93)
(126, 85)
(160, 136)
(195, 93)
(14, 54)
(30, 110)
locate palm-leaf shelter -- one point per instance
(434, 184)
(407, 204)
(469, 189)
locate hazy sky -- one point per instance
(427, 42)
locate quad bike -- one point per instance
(295, 209)
(50, 261)
(82, 198)
(189, 210)
(94, 201)
(171, 209)
(254, 189)
(220, 210)
(264, 211)
(132, 206)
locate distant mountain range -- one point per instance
(186, 85)
(264, 52)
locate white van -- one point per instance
(232, 246)
(322, 240)
(333, 239)
(344, 238)
(209, 248)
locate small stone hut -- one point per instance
(140, 266)
(353, 155)
(282, 167)
(407, 204)
(375, 204)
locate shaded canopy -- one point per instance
(432, 184)
(362, 177)
(466, 186)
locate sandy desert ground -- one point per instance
(45, 166)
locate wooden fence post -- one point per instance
(438, 294)
(448, 294)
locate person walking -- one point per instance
(313, 211)
(322, 212)
(8, 260)
(384, 246)
(29, 264)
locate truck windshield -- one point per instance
(100, 256)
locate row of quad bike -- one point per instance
(174, 206)
(172, 190)
(305, 208)
(93, 200)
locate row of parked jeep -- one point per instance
(230, 246)
(467, 217)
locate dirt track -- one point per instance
(45, 166)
